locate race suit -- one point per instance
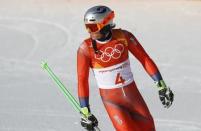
(111, 68)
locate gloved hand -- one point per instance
(165, 94)
(88, 120)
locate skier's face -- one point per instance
(103, 33)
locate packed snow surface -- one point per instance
(52, 30)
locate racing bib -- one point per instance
(115, 76)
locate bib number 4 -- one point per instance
(119, 79)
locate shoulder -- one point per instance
(128, 33)
(84, 47)
(85, 43)
(130, 36)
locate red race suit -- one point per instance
(111, 68)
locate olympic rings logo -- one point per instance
(110, 52)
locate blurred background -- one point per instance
(52, 30)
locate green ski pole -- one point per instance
(64, 90)
(66, 93)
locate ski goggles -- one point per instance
(98, 26)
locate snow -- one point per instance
(51, 30)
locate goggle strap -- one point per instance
(94, 46)
(108, 18)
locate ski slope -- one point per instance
(51, 30)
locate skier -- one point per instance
(106, 52)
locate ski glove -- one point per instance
(165, 94)
(88, 120)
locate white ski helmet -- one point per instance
(98, 17)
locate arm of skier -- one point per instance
(165, 94)
(83, 76)
(88, 120)
(137, 50)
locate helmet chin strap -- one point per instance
(95, 46)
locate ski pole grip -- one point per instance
(44, 65)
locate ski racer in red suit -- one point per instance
(106, 52)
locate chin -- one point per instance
(96, 36)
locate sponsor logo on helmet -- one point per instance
(100, 10)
